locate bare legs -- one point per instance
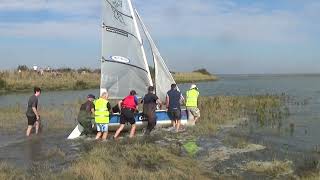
(104, 135)
(132, 131)
(119, 131)
(178, 123)
(37, 124)
(29, 129)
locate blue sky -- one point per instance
(224, 36)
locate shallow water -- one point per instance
(297, 138)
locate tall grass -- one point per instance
(187, 77)
(221, 109)
(26, 80)
(68, 79)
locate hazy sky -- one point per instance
(224, 36)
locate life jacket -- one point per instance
(101, 112)
(192, 98)
(129, 102)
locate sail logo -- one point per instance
(120, 59)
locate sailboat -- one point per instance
(124, 64)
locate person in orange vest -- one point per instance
(127, 107)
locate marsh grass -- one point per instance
(311, 176)
(273, 168)
(192, 77)
(142, 158)
(133, 161)
(14, 81)
(26, 80)
(236, 142)
(216, 111)
(8, 172)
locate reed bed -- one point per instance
(273, 168)
(26, 80)
(191, 77)
(221, 109)
(14, 81)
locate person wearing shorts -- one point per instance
(102, 112)
(32, 112)
(173, 101)
(128, 106)
(192, 96)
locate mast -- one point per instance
(102, 29)
(140, 39)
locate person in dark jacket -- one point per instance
(85, 116)
(127, 107)
(150, 102)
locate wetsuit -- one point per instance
(85, 117)
(149, 110)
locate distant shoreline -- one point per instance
(20, 82)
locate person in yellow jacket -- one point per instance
(101, 115)
(192, 96)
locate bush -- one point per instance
(65, 70)
(3, 84)
(80, 70)
(80, 85)
(22, 68)
(97, 71)
(202, 71)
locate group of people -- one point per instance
(96, 112)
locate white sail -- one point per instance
(163, 77)
(124, 66)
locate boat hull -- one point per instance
(163, 120)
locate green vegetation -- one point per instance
(71, 79)
(221, 109)
(26, 80)
(273, 168)
(187, 77)
(203, 71)
(140, 158)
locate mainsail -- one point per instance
(163, 77)
(124, 65)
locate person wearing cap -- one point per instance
(192, 96)
(173, 102)
(102, 116)
(127, 107)
(150, 102)
(85, 116)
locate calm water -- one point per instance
(302, 89)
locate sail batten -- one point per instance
(123, 62)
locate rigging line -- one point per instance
(112, 6)
(106, 60)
